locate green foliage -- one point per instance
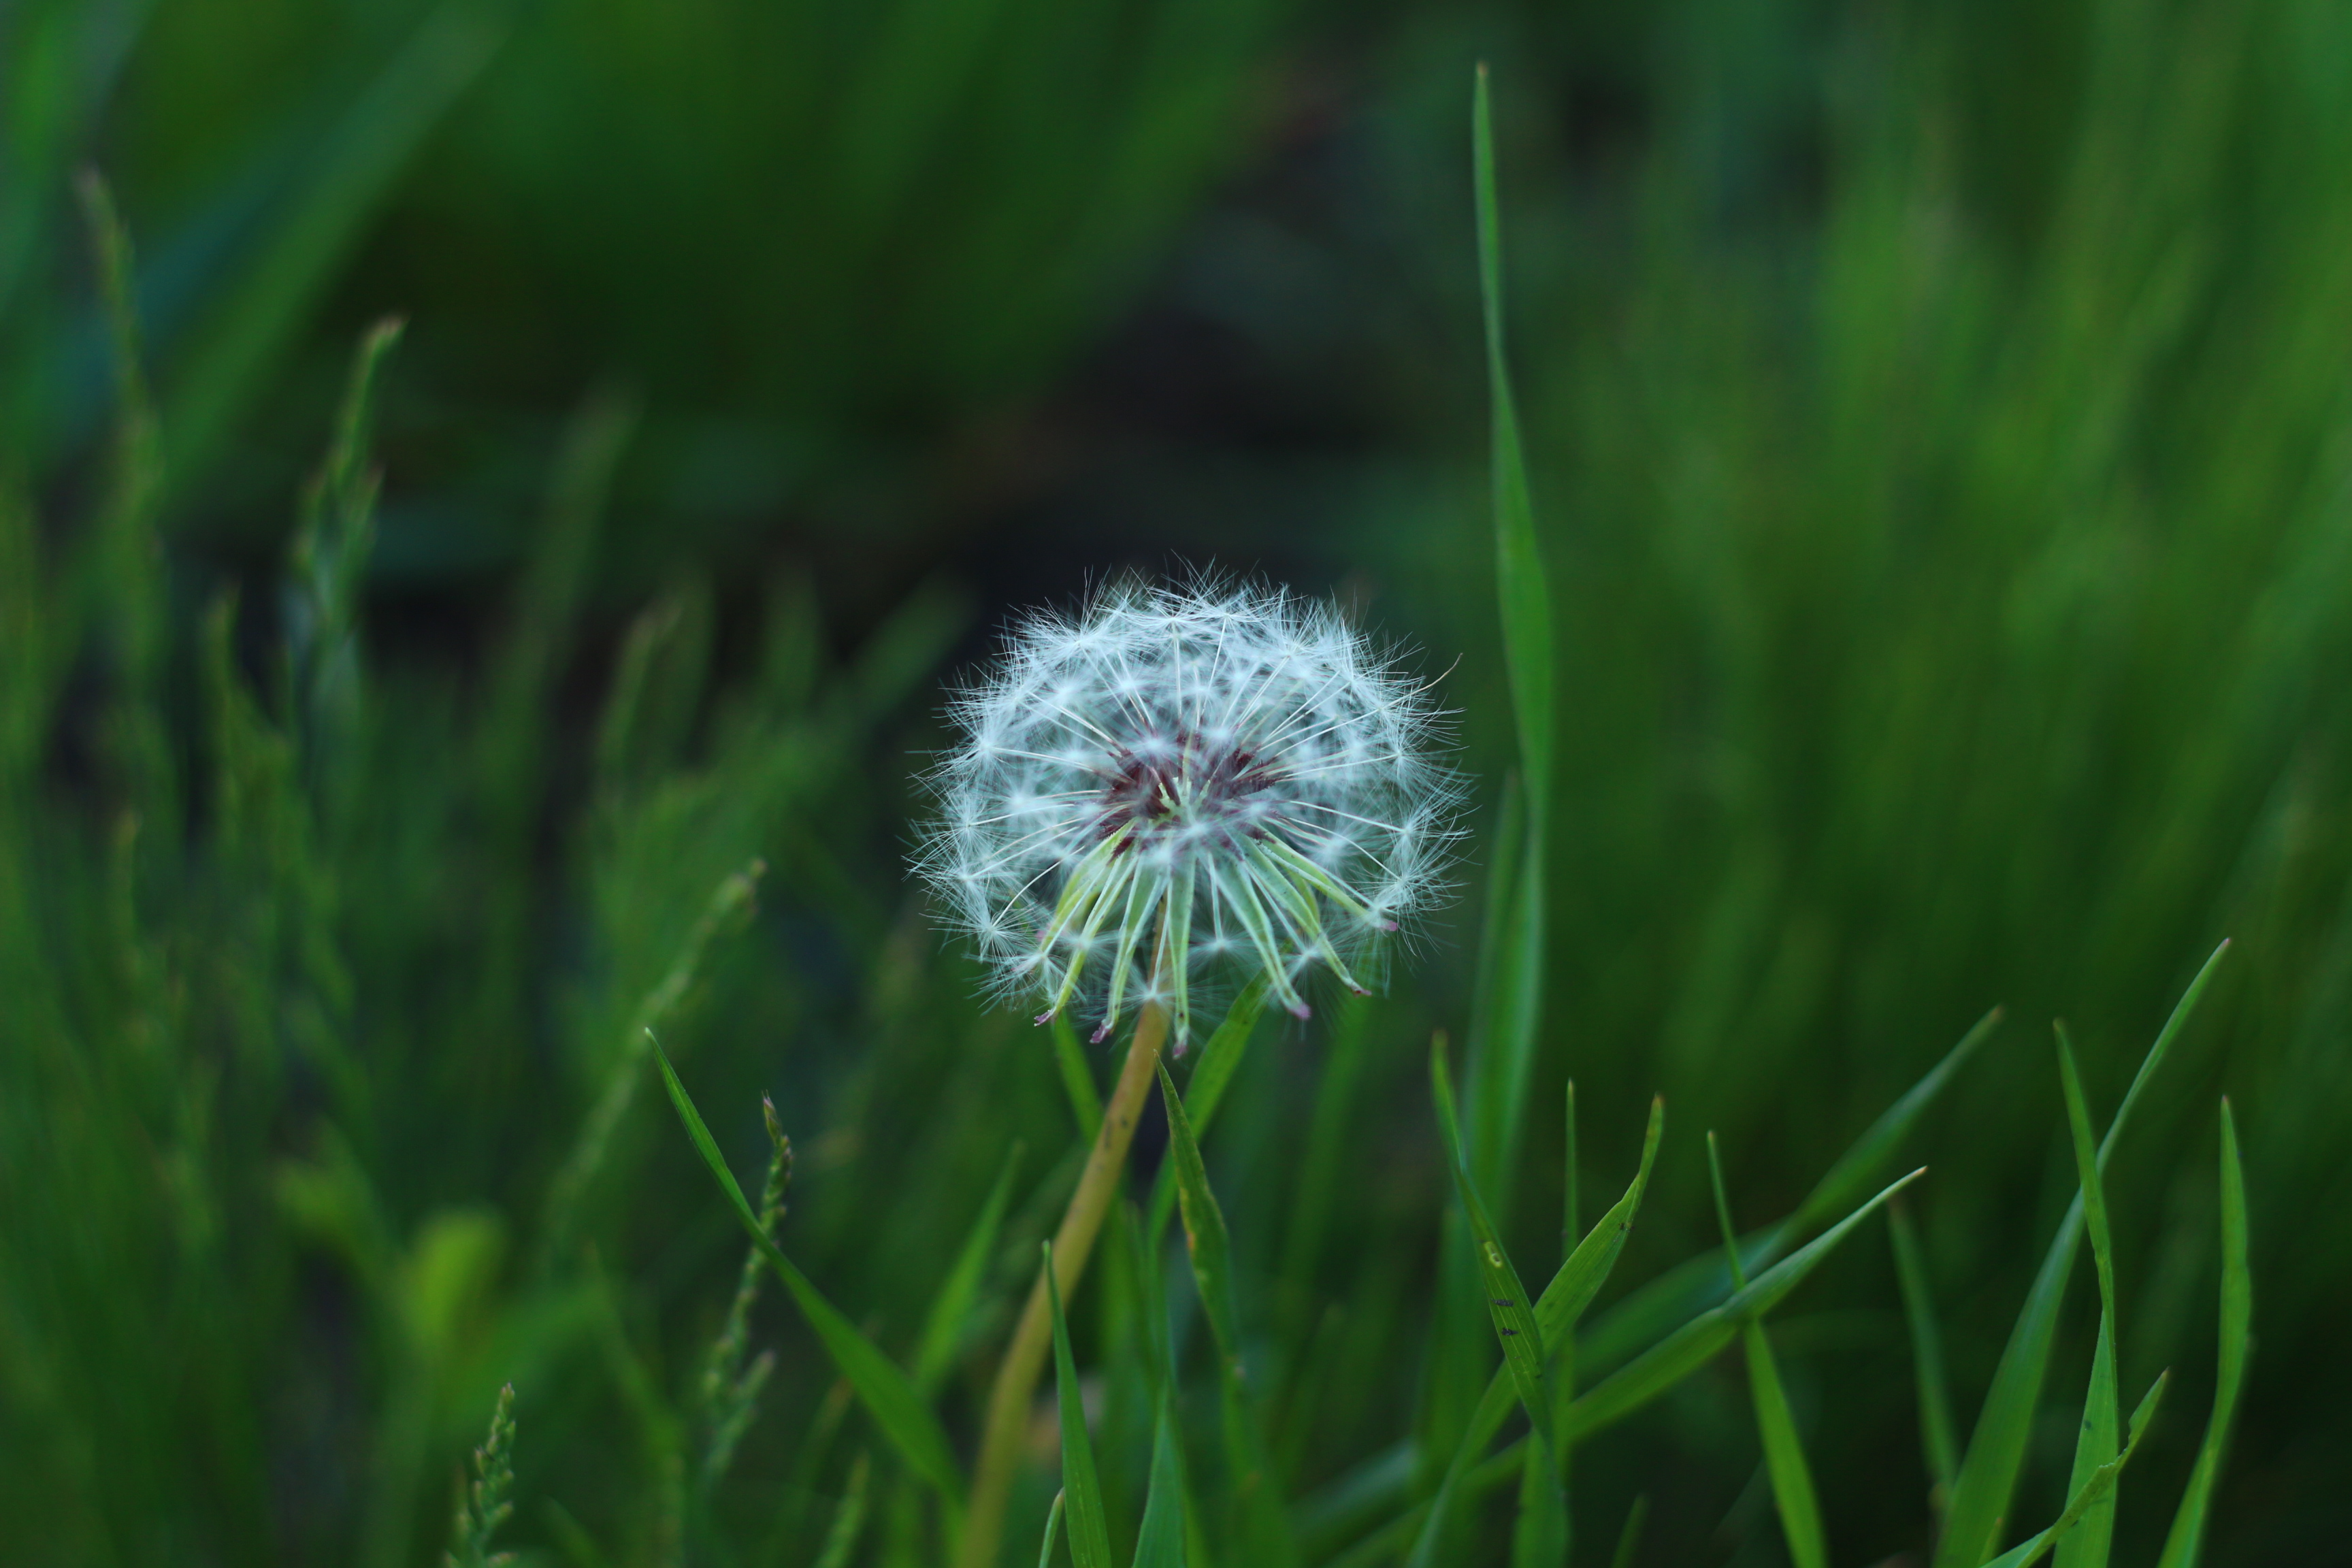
(489, 1502)
(1939, 596)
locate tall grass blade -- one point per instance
(1691, 1287)
(1996, 1451)
(2086, 1545)
(1220, 1059)
(880, 1387)
(951, 1315)
(1089, 1532)
(1936, 1442)
(1629, 1540)
(1053, 1532)
(1697, 1341)
(1784, 1454)
(848, 1517)
(2095, 1490)
(2186, 1540)
(1507, 1297)
(1159, 1544)
(1265, 1527)
(1539, 1534)
(1563, 1302)
(1506, 1058)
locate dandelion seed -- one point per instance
(1184, 786)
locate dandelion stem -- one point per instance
(1024, 1357)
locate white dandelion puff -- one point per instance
(1186, 786)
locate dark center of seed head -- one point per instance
(1215, 779)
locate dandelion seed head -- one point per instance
(1184, 785)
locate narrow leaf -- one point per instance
(1996, 1451)
(1784, 1456)
(1089, 1532)
(1697, 1341)
(2186, 1540)
(950, 1313)
(2086, 1545)
(1506, 1060)
(1507, 1297)
(1160, 1542)
(1691, 1287)
(1936, 1439)
(879, 1385)
(2092, 1493)
(1563, 1302)
(1265, 1527)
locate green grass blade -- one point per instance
(1053, 1529)
(1699, 1340)
(1996, 1451)
(880, 1387)
(1691, 1287)
(1539, 1534)
(950, 1313)
(1563, 1302)
(1629, 1540)
(1507, 1299)
(1937, 1441)
(1077, 1078)
(1159, 1544)
(2186, 1540)
(1507, 1060)
(1523, 587)
(2097, 1490)
(848, 1518)
(1220, 1059)
(2086, 1545)
(1205, 1237)
(1784, 1456)
(1540, 1531)
(1264, 1524)
(1090, 1532)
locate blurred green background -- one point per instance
(1942, 429)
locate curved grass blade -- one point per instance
(1053, 1529)
(1159, 1544)
(1539, 1534)
(2097, 1490)
(1506, 1058)
(1936, 1440)
(1265, 1527)
(1629, 1540)
(1689, 1288)
(2086, 1545)
(1089, 1532)
(950, 1313)
(1784, 1456)
(1996, 1451)
(1563, 1302)
(880, 1387)
(1220, 1059)
(1697, 1341)
(848, 1518)
(2186, 1540)
(1507, 1297)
